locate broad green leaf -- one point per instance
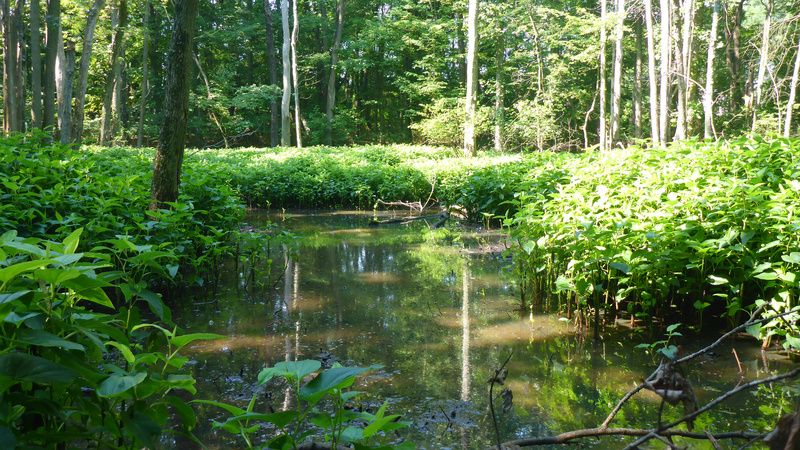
(621, 266)
(235, 410)
(71, 241)
(337, 377)
(42, 338)
(124, 350)
(12, 271)
(179, 342)
(767, 276)
(25, 367)
(717, 281)
(118, 383)
(296, 370)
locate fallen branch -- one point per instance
(564, 438)
(403, 220)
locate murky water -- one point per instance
(439, 315)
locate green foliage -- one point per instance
(77, 367)
(692, 227)
(443, 123)
(341, 423)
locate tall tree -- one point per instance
(286, 115)
(273, 74)
(602, 76)
(616, 84)
(19, 54)
(113, 87)
(53, 22)
(733, 38)
(663, 126)
(651, 73)
(67, 70)
(172, 138)
(331, 97)
(683, 63)
(144, 91)
(10, 123)
(36, 64)
(472, 79)
(83, 72)
(637, 83)
(499, 108)
(708, 92)
(762, 62)
(787, 125)
(298, 125)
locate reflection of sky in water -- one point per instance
(438, 320)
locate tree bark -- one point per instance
(83, 73)
(602, 76)
(65, 97)
(651, 74)
(9, 70)
(53, 22)
(298, 125)
(708, 92)
(616, 86)
(36, 65)
(19, 63)
(273, 75)
(111, 99)
(472, 79)
(172, 138)
(762, 63)
(331, 98)
(637, 84)
(787, 126)
(144, 91)
(733, 39)
(663, 126)
(286, 115)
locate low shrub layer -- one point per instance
(695, 227)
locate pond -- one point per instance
(439, 311)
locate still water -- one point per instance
(439, 311)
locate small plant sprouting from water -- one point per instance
(321, 402)
(665, 346)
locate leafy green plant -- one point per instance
(322, 399)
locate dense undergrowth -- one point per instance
(693, 231)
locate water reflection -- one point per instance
(390, 296)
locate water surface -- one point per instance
(439, 313)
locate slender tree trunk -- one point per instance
(298, 125)
(499, 108)
(472, 79)
(172, 138)
(36, 65)
(663, 126)
(9, 70)
(708, 92)
(83, 73)
(602, 76)
(680, 123)
(19, 63)
(651, 74)
(460, 43)
(787, 125)
(286, 115)
(65, 103)
(111, 99)
(144, 91)
(616, 87)
(637, 84)
(762, 63)
(733, 35)
(53, 22)
(331, 98)
(273, 75)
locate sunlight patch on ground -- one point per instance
(524, 330)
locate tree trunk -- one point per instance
(499, 109)
(602, 76)
(331, 101)
(9, 71)
(144, 91)
(762, 63)
(683, 61)
(110, 121)
(53, 22)
(172, 138)
(733, 39)
(298, 125)
(83, 74)
(651, 74)
(708, 92)
(787, 126)
(616, 87)
(65, 97)
(286, 115)
(637, 84)
(19, 63)
(472, 78)
(36, 65)
(663, 126)
(273, 75)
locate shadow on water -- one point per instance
(439, 318)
